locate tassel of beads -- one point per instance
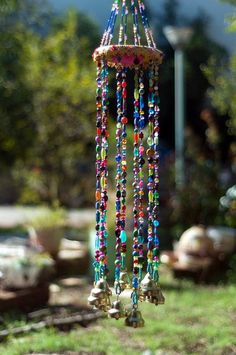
(151, 171)
(98, 140)
(101, 172)
(135, 282)
(121, 174)
(156, 223)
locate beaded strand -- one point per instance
(156, 223)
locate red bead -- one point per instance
(124, 120)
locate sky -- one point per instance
(99, 10)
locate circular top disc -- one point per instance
(128, 56)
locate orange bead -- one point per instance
(98, 195)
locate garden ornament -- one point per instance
(134, 58)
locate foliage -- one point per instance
(48, 218)
(63, 111)
(47, 103)
(222, 79)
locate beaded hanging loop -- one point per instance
(134, 51)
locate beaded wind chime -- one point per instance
(143, 61)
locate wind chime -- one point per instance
(129, 54)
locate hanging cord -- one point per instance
(108, 34)
(135, 24)
(121, 30)
(111, 32)
(148, 32)
(126, 25)
(105, 36)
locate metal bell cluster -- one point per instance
(100, 296)
(150, 291)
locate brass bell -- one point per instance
(117, 310)
(93, 301)
(147, 286)
(134, 319)
(100, 296)
(103, 285)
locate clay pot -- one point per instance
(47, 239)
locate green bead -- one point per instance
(150, 196)
(150, 141)
(141, 174)
(156, 252)
(103, 153)
(103, 182)
(135, 233)
(136, 94)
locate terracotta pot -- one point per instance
(47, 239)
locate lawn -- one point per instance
(195, 320)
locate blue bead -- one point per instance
(141, 123)
(156, 223)
(123, 236)
(118, 205)
(118, 158)
(135, 253)
(140, 239)
(135, 282)
(97, 216)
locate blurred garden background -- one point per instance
(47, 179)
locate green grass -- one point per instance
(195, 320)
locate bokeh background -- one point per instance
(47, 160)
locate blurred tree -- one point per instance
(46, 104)
(170, 12)
(62, 82)
(17, 133)
(223, 81)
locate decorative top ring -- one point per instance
(128, 56)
